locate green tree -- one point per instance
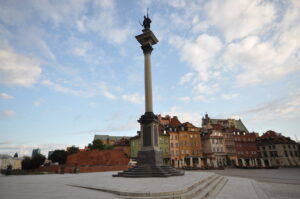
(97, 144)
(37, 161)
(59, 156)
(73, 149)
(33, 163)
(26, 163)
(16, 155)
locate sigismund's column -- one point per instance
(150, 153)
(149, 160)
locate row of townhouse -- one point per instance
(220, 143)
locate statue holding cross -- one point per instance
(146, 22)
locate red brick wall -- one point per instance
(92, 161)
(96, 157)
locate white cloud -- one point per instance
(203, 98)
(133, 98)
(104, 22)
(238, 19)
(288, 107)
(60, 12)
(185, 99)
(258, 58)
(276, 55)
(206, 89)
(5, 96)
(85, 89)
(177, 3)
(37, 102)
(16, 69)
(63, 89)
(185, 116)
(8, 113)
(200, 54)
(230, 96)
(186, 78)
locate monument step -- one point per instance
(199, 190)
(149, 171)
(195, 189)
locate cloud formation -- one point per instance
(8, 113)
(16, 69)
(5, 96)
(134, 98)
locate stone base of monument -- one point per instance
(189, 186)
(141, 171)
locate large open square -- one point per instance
(229, 183)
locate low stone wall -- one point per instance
(81, 169)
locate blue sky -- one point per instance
(71, 69)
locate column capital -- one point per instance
(147, 49)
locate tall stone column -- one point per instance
(150, 153)
(149, 159)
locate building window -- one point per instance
(182, 151)
(286, 154)
(187, 151)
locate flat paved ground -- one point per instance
(276, 183)
(283, 183)
(57, 185)
(282, 175)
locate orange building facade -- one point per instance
(185, 142)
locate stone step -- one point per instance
(212, 191)
(149, 171)
(187, 192)
(200, 189)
